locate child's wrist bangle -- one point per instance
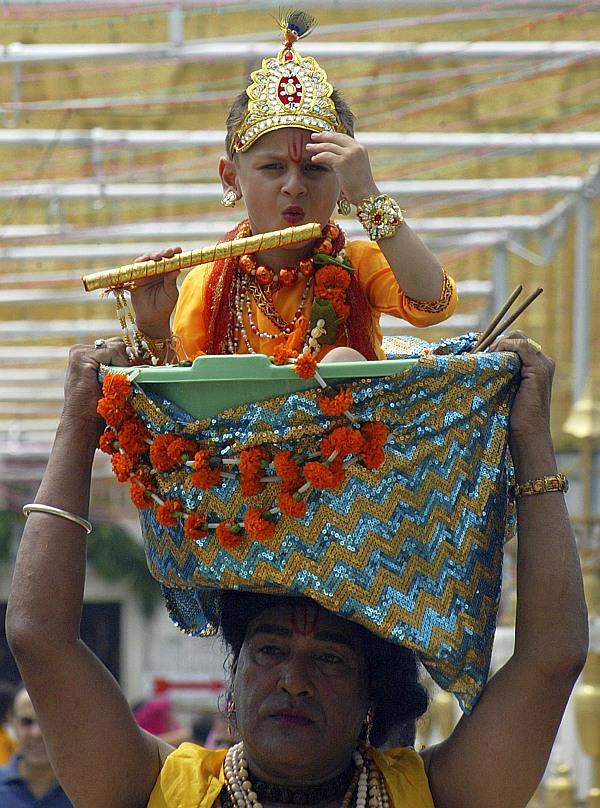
(381, 216)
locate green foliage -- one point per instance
(116, 556)
(8, 520)
(112, 552)
(323, 310)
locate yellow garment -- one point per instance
(192, 777)
(373, 272)
(7, 746)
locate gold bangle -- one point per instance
(381, 216)
(38, 507)
(543, 485)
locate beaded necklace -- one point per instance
(258, 283)
(365, 786)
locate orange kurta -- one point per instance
(381, 289)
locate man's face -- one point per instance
(301, 693)
(30, 742)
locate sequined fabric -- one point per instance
(412, 550)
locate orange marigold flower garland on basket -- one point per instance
(337, 404)
(134, 438)
(289, 471)
(305, 366)
(181, 450)
(257, 527)
(140, 495)
(114, 407)
(375, 435)
(291, 504)
(115, 413)
(108, 442)
(325, 475)
(159, 452)
(205, 476)
(344, 440)
(228, 536)
(122, 466)
(282, 355)
(168, 513)
(117, 387)
(253, 463)
(195, 526)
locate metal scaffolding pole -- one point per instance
(227, 51)
(183, 138)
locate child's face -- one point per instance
(281, 186)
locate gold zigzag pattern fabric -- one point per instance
(411, 550)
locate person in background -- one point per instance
(220, 735)
(156, 717)
(7, 741)
(28, 780)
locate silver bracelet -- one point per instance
(37, 507)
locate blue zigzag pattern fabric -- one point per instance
(411, 550)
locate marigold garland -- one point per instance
(372, 456)
(114, 412)
(290, 505)
(344, 440)
(375, 432)
(133, 437)
(205, 476)
(167, 514)
(108, 442)
(305, 366)
(289, 471)
(257, 527)
(181, 450)
(116, 386)
(336, 405)
(282, 354)
(159, 452)
(195, 526)
(122, 466)
(126, 439)
(140, 496)
(321, 475)
(228, 536)
(331, 276)
(143, 475)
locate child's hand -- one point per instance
(348, 159)
(153, 299)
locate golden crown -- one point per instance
(288, 90)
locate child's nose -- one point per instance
(294, 182)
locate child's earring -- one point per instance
(229, 199)
(344, 207)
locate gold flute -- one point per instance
(115, 278)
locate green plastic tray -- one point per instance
(215, 383)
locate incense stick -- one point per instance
(509, 320)
(497, 317)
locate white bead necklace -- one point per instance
(370, 788)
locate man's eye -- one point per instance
(270, 650)
(331, 659)
(273, 166)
